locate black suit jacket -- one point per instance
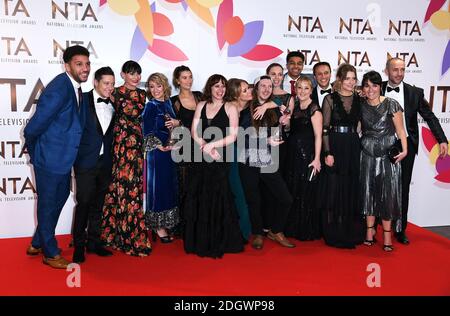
(415, 103)
(93, 138)
(315, 97)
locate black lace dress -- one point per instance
(338, 197)
(303, 221)
(211, 220)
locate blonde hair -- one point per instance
(161, 79)
(303, 79)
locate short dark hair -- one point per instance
(104, 71)
(176, 74)
(373, 77)
(390, 60)
(273, 65)
(130, 67)
(295, 53)
(322, 63)
(73, 51)
(207, 96)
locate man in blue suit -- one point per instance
(52, 137)
(93, 166)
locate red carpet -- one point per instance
(421, 268)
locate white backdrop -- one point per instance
(365, 32)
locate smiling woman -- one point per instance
(381, 120)
(212, 227)
(160, 175)
(123, 223)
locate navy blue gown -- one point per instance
(161, 201)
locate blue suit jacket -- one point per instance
(93, 138)
(53, 134)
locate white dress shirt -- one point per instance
(320, 95)
(287, 83)
(104, 114)
(400, 98)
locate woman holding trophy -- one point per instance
(160, 175)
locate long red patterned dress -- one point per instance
(123, 223)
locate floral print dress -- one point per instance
(123, 223)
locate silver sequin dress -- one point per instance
(380, 179)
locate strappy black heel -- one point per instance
(368, 242)
(387, 248)
(164, 239)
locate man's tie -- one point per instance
(325, 91)
(293, 88)
(107, 100)
(396, 89)
(80, 97)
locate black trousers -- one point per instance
(407, 170)
(92, 185)
(252, 178)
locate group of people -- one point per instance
(290, 156)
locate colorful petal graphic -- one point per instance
(434, 6)
(224, 14)
(446, 60)
(209, 3)
(252, 35)
(202, 12)
(434, 154)
(441, 20)
(167, 50)
(144, 18)
(262, 52)
(174, 1)
(233, 30)
(102, 2)
(138, 45)
(163, 26)
(184, 4)
(443, 177)
(428, 139)
(124, 7)
(443, 164)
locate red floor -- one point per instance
(421, 268)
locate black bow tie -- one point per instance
(107, 100)
(325, 91)
(396, 89)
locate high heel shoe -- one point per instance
(368, 242)
(387, 248)
(164, 239)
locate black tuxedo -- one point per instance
(315, 95)
(93, 175)
(414, 103)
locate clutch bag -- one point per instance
(394, 150)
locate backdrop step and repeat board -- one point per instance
(237, 38)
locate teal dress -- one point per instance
(239, 198)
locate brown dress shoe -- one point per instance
(258, 242)
(281, 239)
(31, 251)
(56, 262)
